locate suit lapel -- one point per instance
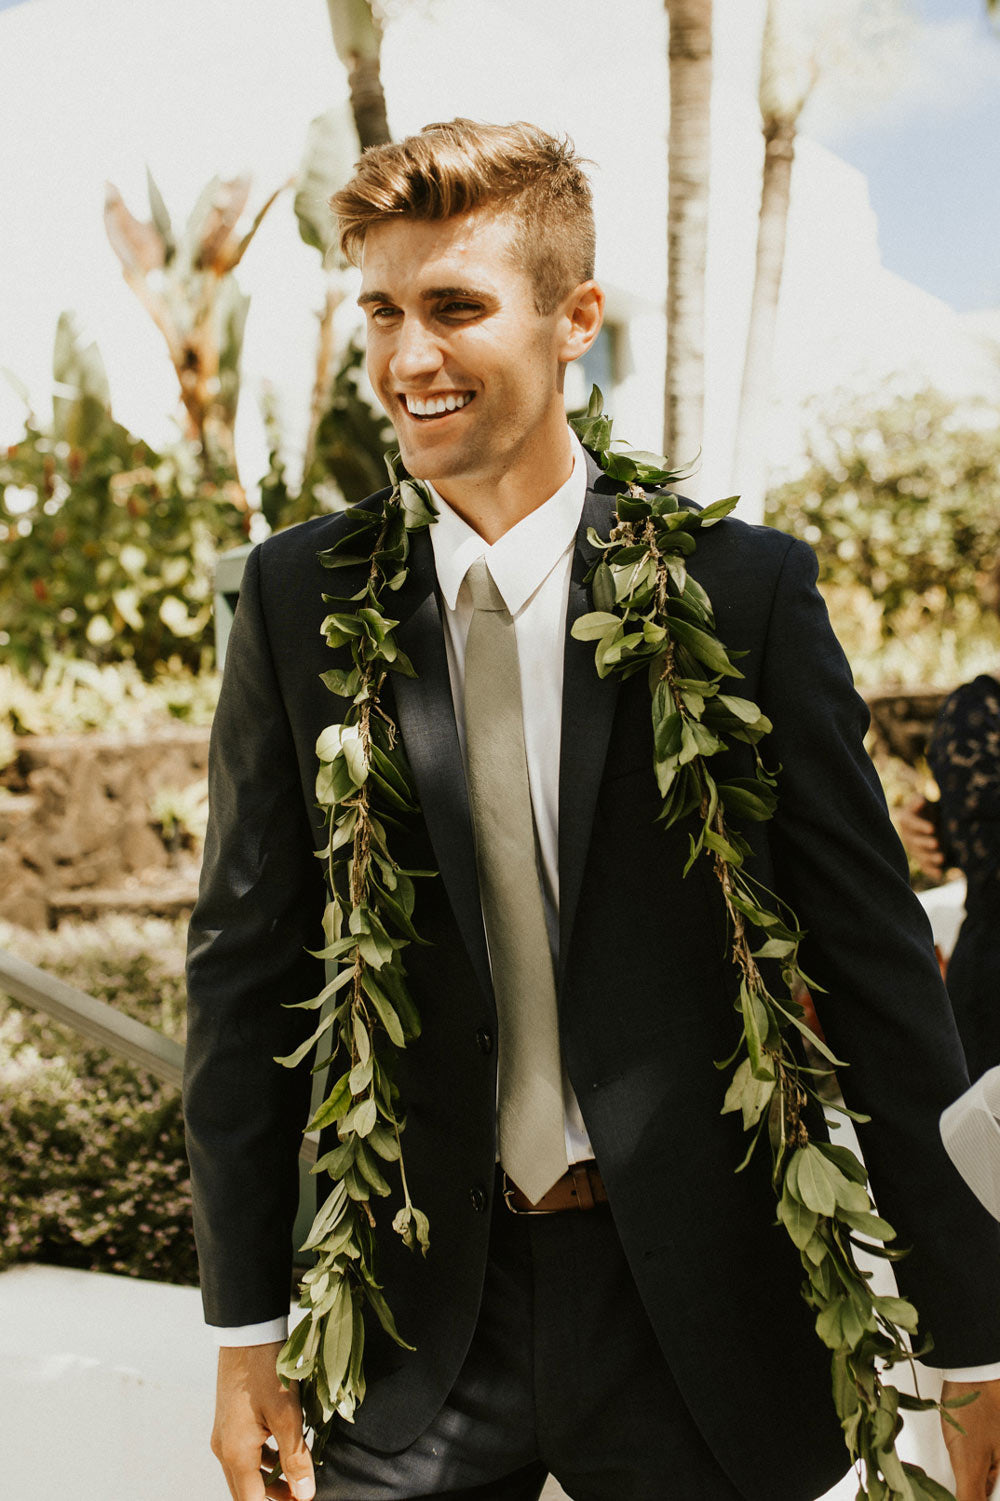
(587, 712)
(427, 722)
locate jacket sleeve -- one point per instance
(883, 1007)
(259, 907)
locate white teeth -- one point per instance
(434, 406)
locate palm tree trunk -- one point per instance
(368, 102)
(750, 466)
(357, 36)
(690, 56)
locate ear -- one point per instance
(581, 317)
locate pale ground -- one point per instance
(106, 1390)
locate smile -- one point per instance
(437, 406)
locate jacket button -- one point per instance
(477, 1194)
(484, 1040)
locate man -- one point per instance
(655, 1344)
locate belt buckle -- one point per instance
(508, 1190)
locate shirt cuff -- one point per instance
(267, 1333)
(974, 1373)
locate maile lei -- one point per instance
(651, 616)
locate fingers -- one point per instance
(252, 1406)
(296, 1461)
(919, 836)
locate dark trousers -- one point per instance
(564, 1376)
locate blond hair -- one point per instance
(459, 166)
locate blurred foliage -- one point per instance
(71, 695)
(347, 459)
(902, 506)
(108, 547)
(91, 1146)
(186, 284)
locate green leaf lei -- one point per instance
(651, 616)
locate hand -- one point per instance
(919, 837)
(974, 1454)
(251, 1406)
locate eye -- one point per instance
(460, 312)
(382, 311)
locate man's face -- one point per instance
(468, 371)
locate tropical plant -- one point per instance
(347, 437)
(109, 546)
(186, 284)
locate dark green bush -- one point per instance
(904, 503)
(92, 1166)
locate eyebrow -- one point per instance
(433, 294)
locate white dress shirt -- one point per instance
(531, 566)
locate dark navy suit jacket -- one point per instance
(645, 996)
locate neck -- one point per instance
(493, 504)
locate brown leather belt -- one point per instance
(579, 1188)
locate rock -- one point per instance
(79, 819)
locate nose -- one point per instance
(417, 352)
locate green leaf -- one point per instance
(748, 1094)
(897, 1311)
(717, 510)
(334, 1107)
(383, 1314)
(361, 1119)
(868, 1224)
(798, 1220)
(923, 1487)
(290, 1060)
(595, 625)
(723, 847)
(809, 1179)
(328, 1217)
(342, 681)
(367, 1167)
(414, 1229)
(383, 1141)
(775, 948)
(336, 1162)
(386, 1012)
(338, 1335)
(743, 708)
(327, 162)
(747, 801)
(705, 647)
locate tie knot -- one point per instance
(485, 594)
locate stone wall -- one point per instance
(79, 833)
(79, 830)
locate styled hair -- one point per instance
(459, 166)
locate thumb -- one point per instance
(296, 1460)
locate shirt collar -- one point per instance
(522, 559)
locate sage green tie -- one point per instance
(530, 1102)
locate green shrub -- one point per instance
(902, 506)
(91, 1146)
(107, 548)
(70, 696)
